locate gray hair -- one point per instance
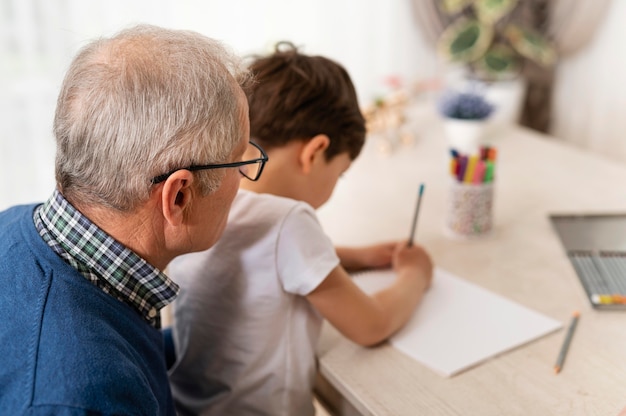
(142, 103)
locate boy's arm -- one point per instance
(368, 320)
(369, 257)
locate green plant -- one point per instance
(492, 37)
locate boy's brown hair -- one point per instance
(296, 97)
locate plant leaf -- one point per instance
(465, 41)
(454, 6)
(490, 11)
(498, 62)
(530, 44)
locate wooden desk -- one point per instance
(523, 260)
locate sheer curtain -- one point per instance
(37, 40)
(371, 38)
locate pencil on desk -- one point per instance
(417, 210)
(568, 339)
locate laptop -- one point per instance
(596, 246)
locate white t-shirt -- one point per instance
(245, 335)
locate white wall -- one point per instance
(371, 38)
(589, 108)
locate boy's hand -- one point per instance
(369, 319)
(413, 261)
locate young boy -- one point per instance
(248, 317)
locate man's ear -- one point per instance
(176, 196)
(312, 151)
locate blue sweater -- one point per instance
(66, 347)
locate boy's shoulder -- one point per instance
(247, 202)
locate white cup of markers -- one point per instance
(469, 212)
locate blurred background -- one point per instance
(386, 45)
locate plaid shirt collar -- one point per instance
(103, 260)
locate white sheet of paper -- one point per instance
(459, 324)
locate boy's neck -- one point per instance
(281, 176)
(266, 187)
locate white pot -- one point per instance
(466, 136)
(506, 95)
(508, 98)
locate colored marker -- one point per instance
(568, 339)
(479, 172)
(469, 172)
(462, 166)
(484, 152)
(489, 171)
(453, 167)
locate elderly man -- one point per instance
(152, 139)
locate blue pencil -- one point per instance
(417, 210)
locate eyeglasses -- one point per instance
(251, 168)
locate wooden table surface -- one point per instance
(522, 260)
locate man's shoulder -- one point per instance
(16, 210)
(12, 217)
(18, 234)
